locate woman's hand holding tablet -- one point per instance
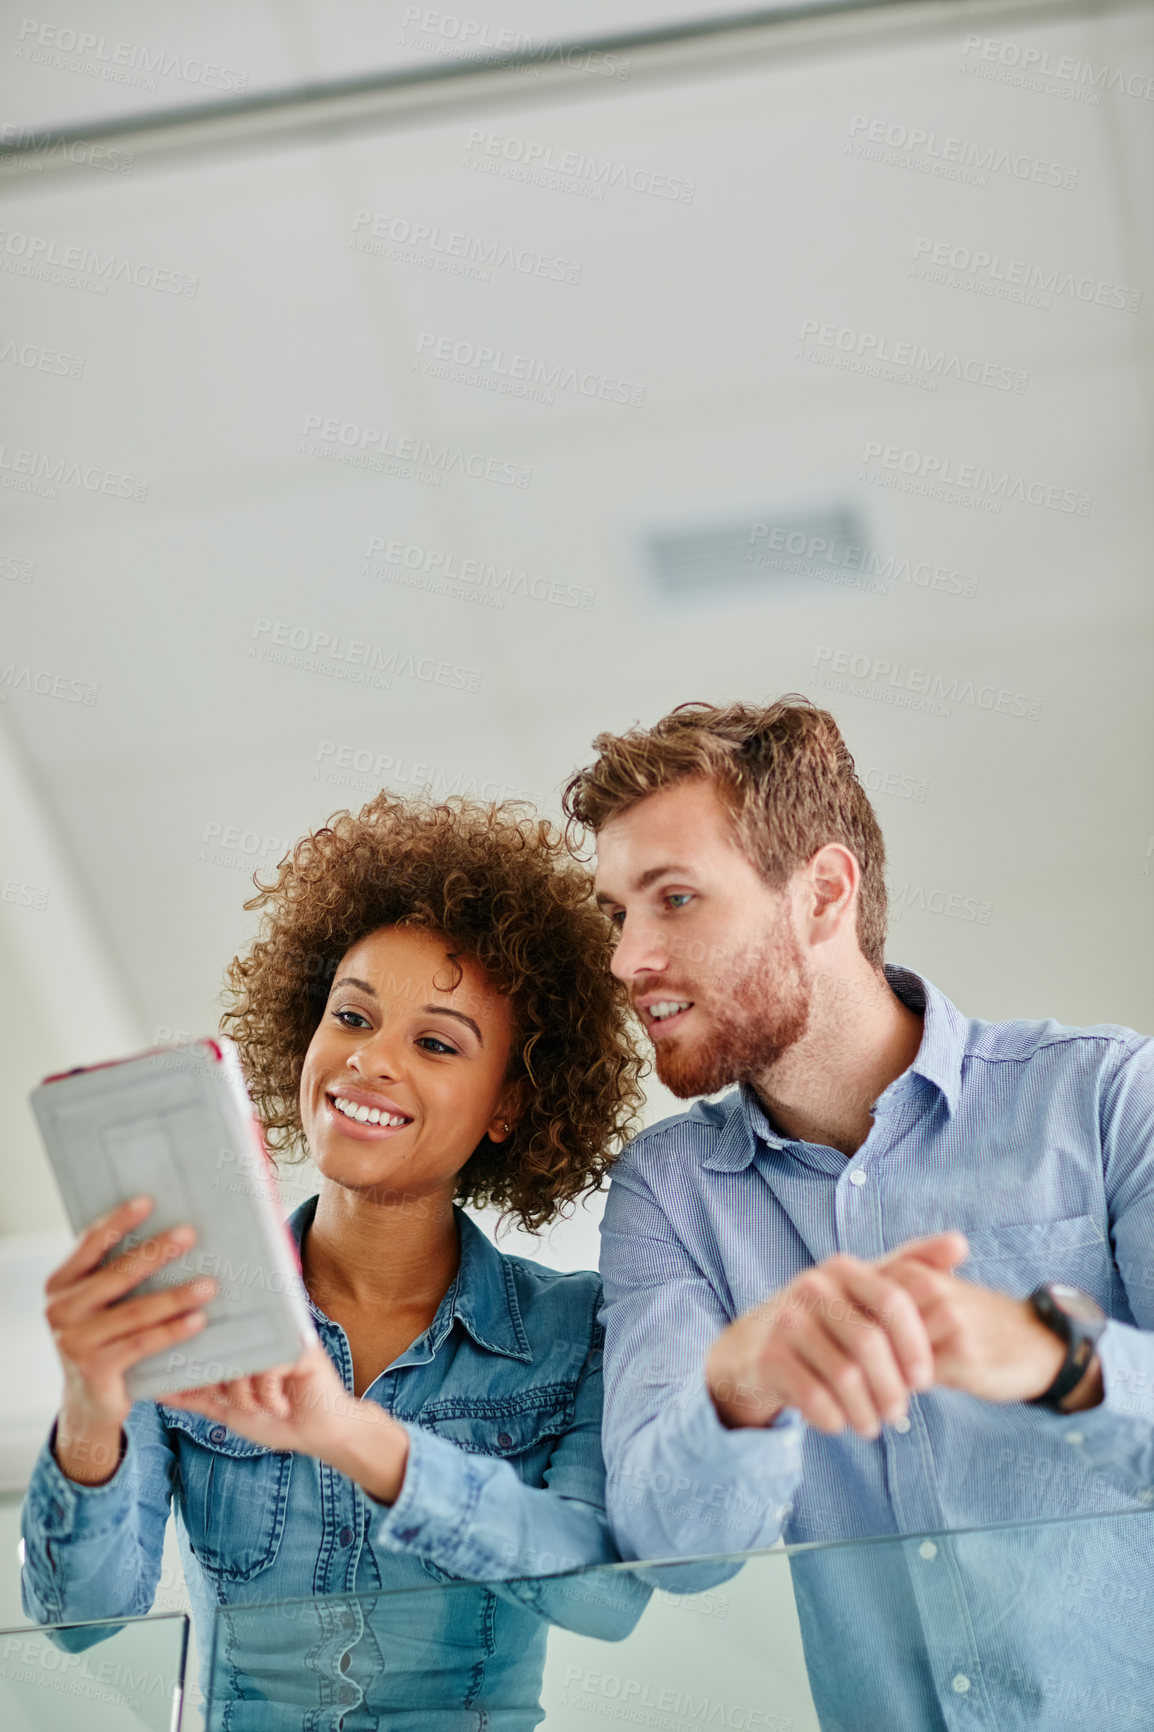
(100, 1332)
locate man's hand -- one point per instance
(305, 1407)
(985, 1342)
(844, 1343)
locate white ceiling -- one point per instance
(1047, 821)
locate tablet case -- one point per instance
(177, 1123)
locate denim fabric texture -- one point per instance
(501, 1397)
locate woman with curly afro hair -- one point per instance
(428, 1014)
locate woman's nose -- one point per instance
(378, 1056)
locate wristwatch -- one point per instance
(1077, 1320)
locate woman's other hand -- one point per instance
(305, 1407)
(100, 1333)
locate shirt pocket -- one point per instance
(516, 1427)
(1019, 1256)
(233, 1496)
(522, 1429)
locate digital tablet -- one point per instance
(176, 1123)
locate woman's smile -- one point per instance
(365, 1116)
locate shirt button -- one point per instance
(504, 1440)
(217, 1434)
(1074, 1437)
(347, 1693)
(961, 1684)
(346, 1536)
(927, 1550)
(857, 1178)
(902, 1425)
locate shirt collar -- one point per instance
(938, 1061)
(483, 1296)
(939, 1057)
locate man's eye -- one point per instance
(359, 1020)
(679, 897)
(617, 918)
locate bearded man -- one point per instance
(898, 1282)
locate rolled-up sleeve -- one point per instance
(473, 1517)
(679, 1483)
(94, 1551)
(1117, 1437)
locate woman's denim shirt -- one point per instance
(501, 1397)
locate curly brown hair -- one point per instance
(782, 769)
(498, 883)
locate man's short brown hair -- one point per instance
(783, 771)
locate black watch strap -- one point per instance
(1080, 1333)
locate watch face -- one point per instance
(1075, 1303)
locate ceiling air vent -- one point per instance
(758, 555)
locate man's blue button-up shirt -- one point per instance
(1037, 1142)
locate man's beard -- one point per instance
(754, 1019)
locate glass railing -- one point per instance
(125, 1675)
(1044, 1627)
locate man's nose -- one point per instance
(639, 950)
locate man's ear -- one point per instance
(834, 877)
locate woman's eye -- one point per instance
(430, 1042)
(358, 1022)
(679, 897)
(617, 918)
